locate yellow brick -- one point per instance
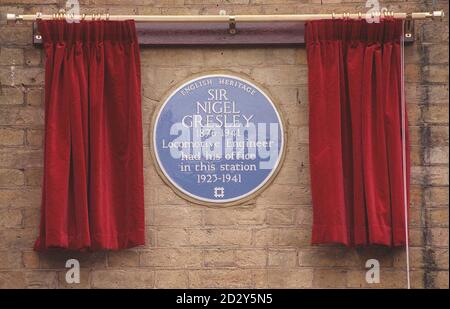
(219, 237)
(231, 278)
(290, 278)
(11, 96)
(129, 278)
(171, 257)
(219, 257)
(11, 178)
(168, 237)
(122, 259)
(282, 258)
(11, 56)
(11, 137)
(170, 279)
(329, 278)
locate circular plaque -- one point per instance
(218, 139)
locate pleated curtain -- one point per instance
(93, 170)
(354, 83)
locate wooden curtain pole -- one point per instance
(225, 18)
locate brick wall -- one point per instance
(263, 243)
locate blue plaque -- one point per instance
(218, 139)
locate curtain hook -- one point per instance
(107, 16)
(359, 15)
(333, 16)
(61, 14)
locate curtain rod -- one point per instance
(225, 18)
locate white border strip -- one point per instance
(404, 130)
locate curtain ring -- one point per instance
(333, 15)
(83, 16)
(359, 15)
(107, 16)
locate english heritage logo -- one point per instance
(218, 139)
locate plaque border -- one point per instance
(167, 180)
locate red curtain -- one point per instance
(93, 171)
(354, 71)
